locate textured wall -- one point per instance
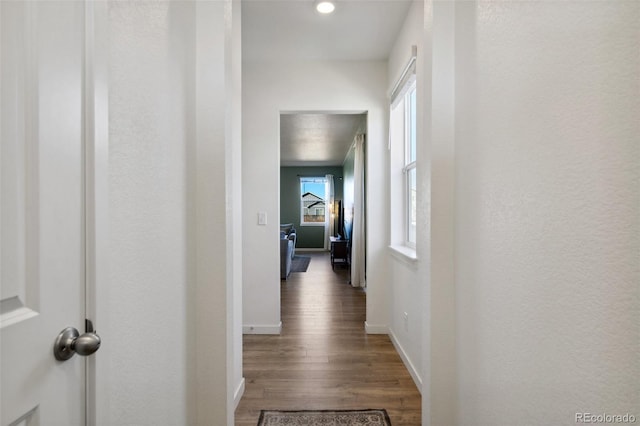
(174, 329)
(547, 210)
(148, 126)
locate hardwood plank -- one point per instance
(324, 359)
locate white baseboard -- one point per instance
(262, 329)
(375, 328)
(405, 359)
(237, 396)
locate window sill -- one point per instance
(404, 253)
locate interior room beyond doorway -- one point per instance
(317, 153)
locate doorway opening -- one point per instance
(318, 180)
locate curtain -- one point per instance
(358, 243)
(328, 211)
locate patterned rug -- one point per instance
(324, 418)
(300, 263)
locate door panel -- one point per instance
(42, 210)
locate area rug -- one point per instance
(324, 418)
(300, 263)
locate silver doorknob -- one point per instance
(70, 342)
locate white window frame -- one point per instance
(409, 165)
(402, 167)
(403, 198)
(320, 179)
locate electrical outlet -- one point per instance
(406, 322)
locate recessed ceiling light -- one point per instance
(325, 6)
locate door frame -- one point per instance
(367, 124)
(96, 177)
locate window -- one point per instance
(410, 165)
(403, 141)
(312, 201)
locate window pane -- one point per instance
(412, 126)
(312, 200)
(411, 205)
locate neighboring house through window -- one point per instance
(312, 201)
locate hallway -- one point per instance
(323, 359)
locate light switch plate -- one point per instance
(262, 218)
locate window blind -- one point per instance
(406, 79)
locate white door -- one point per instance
(42, 211)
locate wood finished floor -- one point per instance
(323, 359)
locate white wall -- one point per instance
(406, 275)
(148, 131)
(547, 209)
(439, 394)
(174, 262)
(268, 89)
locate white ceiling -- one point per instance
(317, 139)
(292, 30)
(285, 30)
